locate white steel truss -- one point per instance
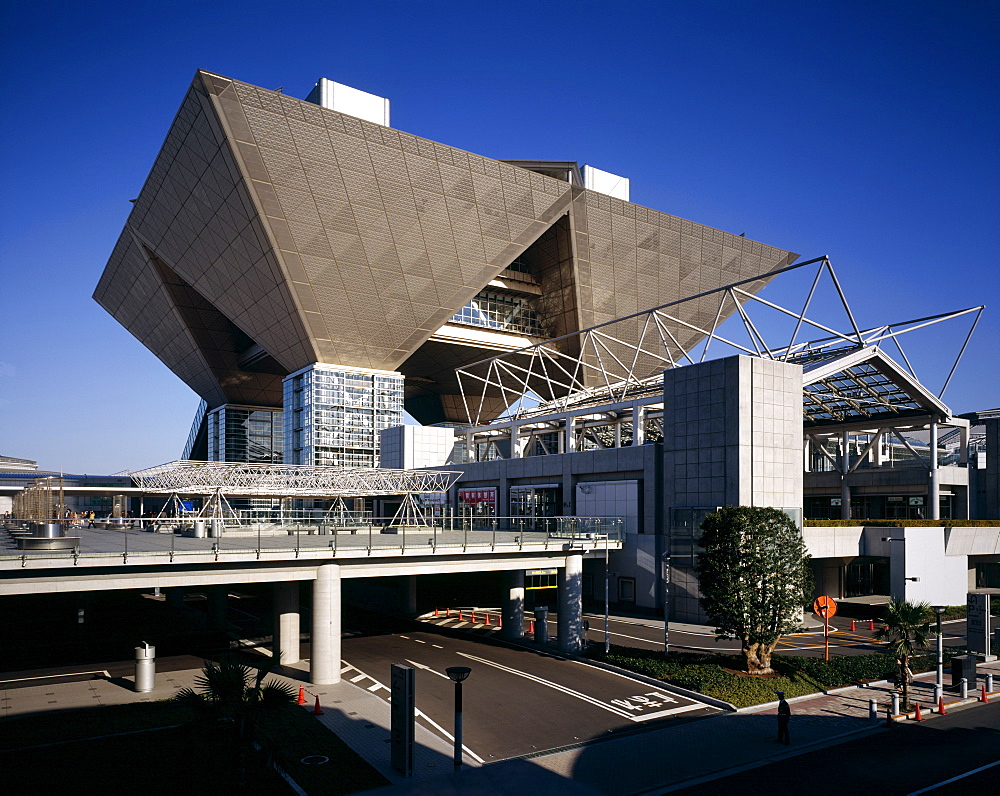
(288, 480)
(610, 363)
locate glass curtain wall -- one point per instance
(334, 417)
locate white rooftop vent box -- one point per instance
(605, 182)
(352, 101)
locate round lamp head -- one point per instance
(458, 673)
(939, 609)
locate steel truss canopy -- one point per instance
(848, 375)
(288, 480)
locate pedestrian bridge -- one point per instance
(127, 554)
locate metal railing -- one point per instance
(185, 537)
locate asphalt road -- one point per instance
(515, 701)
(910, 758)
(647, 633)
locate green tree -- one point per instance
(754, 578)
(905, 630)
(234, 692)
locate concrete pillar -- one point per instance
(638, 425)
(570, 627)
(618, 433)
(324, 664)
(286, 622)
(512, 611)
(515, 441)
(408, 587)
(218, 607)
(570, 444)
(934, 493)
(470, 448)
(845, 467)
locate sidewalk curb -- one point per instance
(831, 740)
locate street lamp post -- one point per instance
(458, 674)
(607, 598)
(939, 610)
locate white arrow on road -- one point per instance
(426, 668)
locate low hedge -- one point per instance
(903, 523)
(794, 675)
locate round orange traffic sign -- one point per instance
(825, 606)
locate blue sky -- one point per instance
(864, 131)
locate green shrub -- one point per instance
(903, 523)
(707, 673)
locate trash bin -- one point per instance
(216, 529)
(145, 668)
(199, 529)
(963, 666)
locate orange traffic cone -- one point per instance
(531, 626)
(460, 617)
(982, 695)
(916, 714)
(317, 711)
(447, 613)
(473, 617)
(435, 612)
(941, 710)
(488, 621)
(302, 696)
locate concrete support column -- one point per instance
(570, 444)
(470, 448)
(570, 627)
(515, 441)
(845, 467)
(218, 607)
(934, 493)
(512, 611)
(409, 594)
(286, 622)
(638, 425)
(805, 455)
(324, 664)
(618, 433)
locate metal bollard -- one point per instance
(963, 686)
(873, 710)
(895, 704)
(938, 693)
(989, 684)
(145, 668)
(541, 624)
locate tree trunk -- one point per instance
(906, 685)
(759, 657)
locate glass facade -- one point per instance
(333, 417)
(502, 312)
(245, 434)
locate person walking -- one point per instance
(784, 714)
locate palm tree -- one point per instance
(233, 691)
(906, 628)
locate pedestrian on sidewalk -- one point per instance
(784, 714)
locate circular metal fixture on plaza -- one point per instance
(314, 760)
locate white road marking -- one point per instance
(105, 672)
(359, 677)
(425, 717)
(426, 668)
(438, 646)
(556, 686)
(419, 641)
(953, 779)
(346, 668)
(406, 637)
(461, 624)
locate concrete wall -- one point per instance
(408, 447)
(732, 434)
(610, 499)
(943, 579)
